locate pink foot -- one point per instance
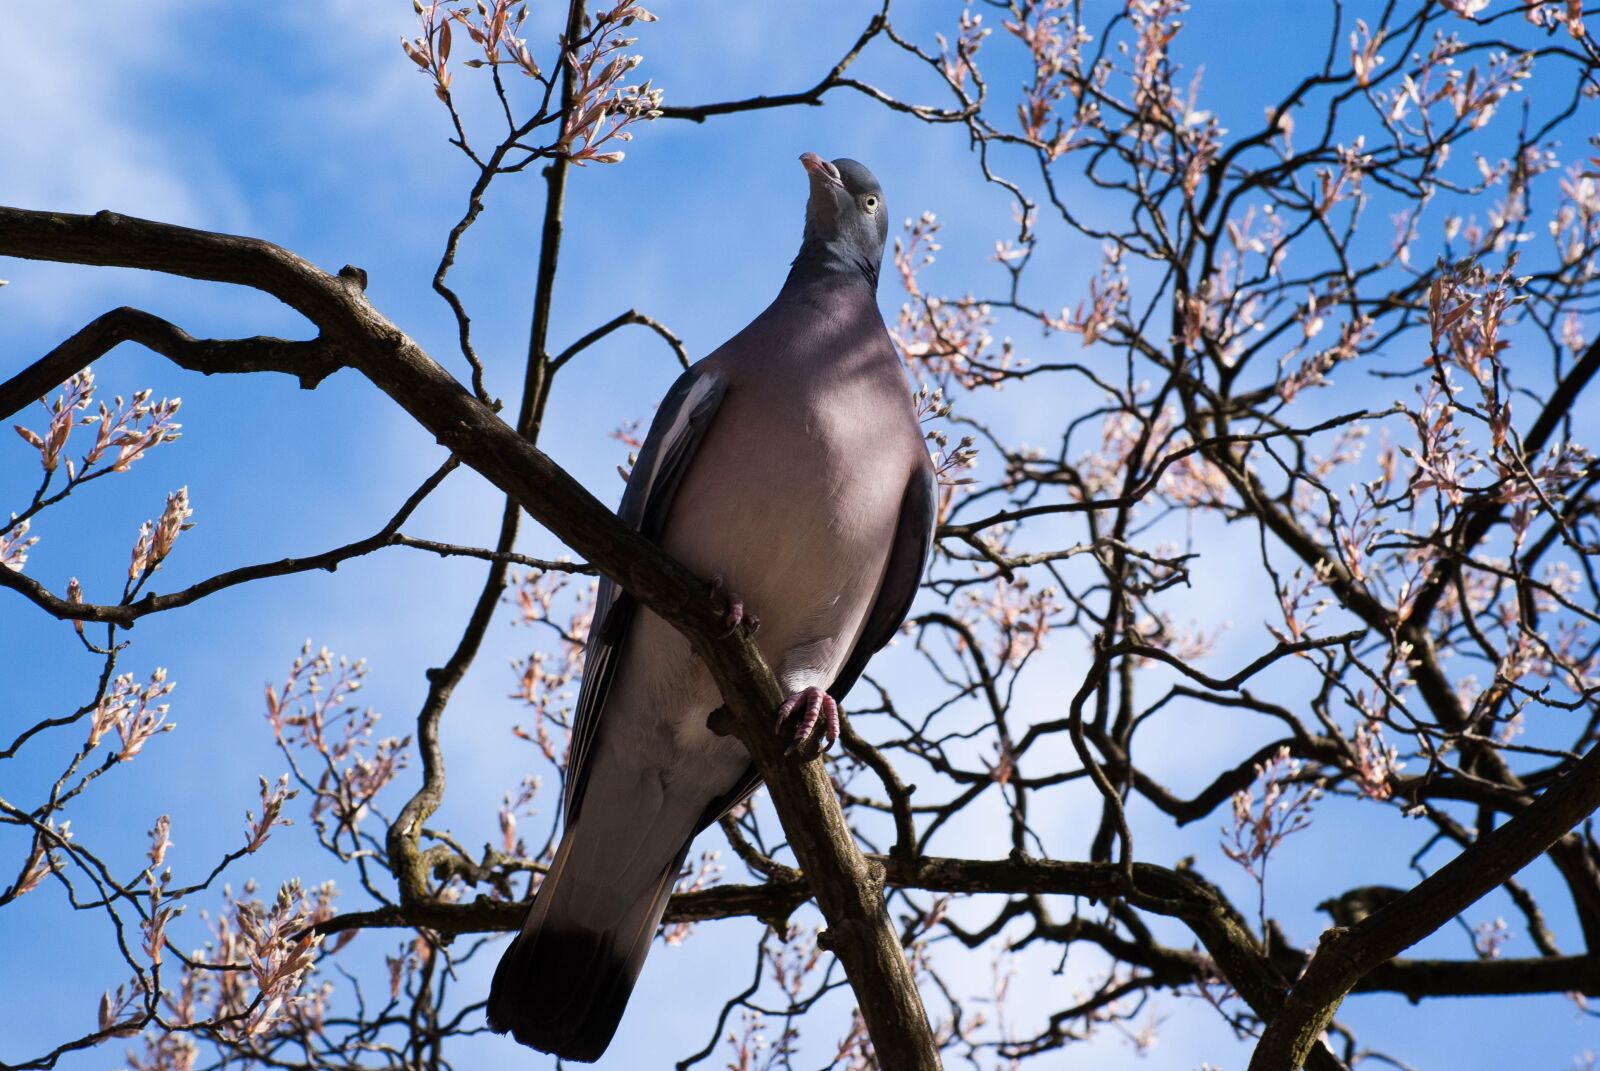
(737, 614)
(813, 704)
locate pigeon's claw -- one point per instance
(737, 614)
(811, 705)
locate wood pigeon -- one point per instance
(791, 466)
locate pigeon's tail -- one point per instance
(564, 982)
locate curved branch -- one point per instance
(126, 614)
(311, 361)
(835, 79)
(699, 113)
(632, 316)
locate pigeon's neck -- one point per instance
(832, 261)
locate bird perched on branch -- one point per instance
(788, 466)
(1354, 905)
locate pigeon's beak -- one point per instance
(821, 169)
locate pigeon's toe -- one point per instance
(738, 615)
(809, 706)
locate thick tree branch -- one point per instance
(1345, 956)
(773, 901)
(311, 361)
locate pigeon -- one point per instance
(789, 469)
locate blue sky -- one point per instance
(304, 124)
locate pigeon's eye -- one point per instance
(870, 203)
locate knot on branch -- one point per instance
(877, 875)
(845, 934)
(720, 721)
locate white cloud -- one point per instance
(71, 144)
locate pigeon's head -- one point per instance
(846, 222)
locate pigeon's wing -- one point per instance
(675, 434)
(908, 559)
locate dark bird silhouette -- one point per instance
(790, 465)
(1351, 907)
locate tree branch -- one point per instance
(127, 613)
(1345, 956)
(311, 361)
